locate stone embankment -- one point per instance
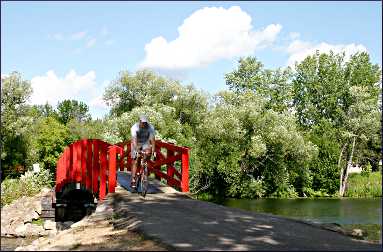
(20, 219)
(95, 232)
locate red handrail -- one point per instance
(93, 164)
(175, 178)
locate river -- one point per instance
(341, 211)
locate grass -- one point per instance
(39, 222)
(371, 232)
(364, 186)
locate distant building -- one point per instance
(354, 169)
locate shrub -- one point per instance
(29, 184)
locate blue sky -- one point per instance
(74, 49)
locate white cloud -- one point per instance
(299, 50)
(98, 102)
(91, 42)
(50, 88)
(53, 89)
(209, 34)
(78, 35)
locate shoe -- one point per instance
(133, 185)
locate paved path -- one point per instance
(187, 224)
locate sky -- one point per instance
(74, 50)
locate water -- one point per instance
(341, 211)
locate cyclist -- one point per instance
(142, 139)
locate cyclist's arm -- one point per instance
(153, 141)
(133, 133)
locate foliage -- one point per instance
(15, 123)
(360, 186)
(273, 85)
(51, 137)
(366, 170)
(28, 185)
(335, 101)
(92, 129)
(72, 109)
(248, 145)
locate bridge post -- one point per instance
(89, 166)
(104, 166)
(169, 167)
(185, 171)
(96, 167)
(83, 161)
(112, 169)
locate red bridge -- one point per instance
(92, 165)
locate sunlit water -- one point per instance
(341, 211)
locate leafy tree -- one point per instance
(92, 129)
(344, 97)
(142, 88)
(51, 137)
(273, 85)
(72, 109)
(14, 124)
(45, 110)
(241, 142)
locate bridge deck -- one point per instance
(187, 224)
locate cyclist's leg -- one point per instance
(133, 182)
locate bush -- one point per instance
(366, 170)
(29, 184)
(360, 186)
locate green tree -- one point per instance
(15, 91)
(242, 142)
(274, 85)
(142, 88)
(340, 96)
(72, 109)
(45, 110)
(92, 129)
(51, 137)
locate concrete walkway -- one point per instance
(187, 224)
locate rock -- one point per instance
(20, 230)
(357, 232)
(52, 233)
(49, 225)
(33, 215)
(34, 230)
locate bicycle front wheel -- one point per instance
(144, 184)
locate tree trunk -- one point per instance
(341, 168)
(344, 182)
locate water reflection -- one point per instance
(342, 211)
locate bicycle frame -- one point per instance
(142, 173)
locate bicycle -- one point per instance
(142, 174)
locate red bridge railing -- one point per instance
(93, 164)
(171, 164)
(90, 162)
